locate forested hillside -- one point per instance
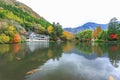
(18, 19)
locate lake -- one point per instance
(60, 61)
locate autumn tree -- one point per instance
(50, 29)
(4, 38)
(67, 35)
(16, 38)
(97, 32)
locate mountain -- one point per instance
(21, 6)
(17, 12)
(89, 25)
(18, 18)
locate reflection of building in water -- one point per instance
(37, 45)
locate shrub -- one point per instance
(16, 38)
(4, 38)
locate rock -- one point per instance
(32, 71)
(111, 78)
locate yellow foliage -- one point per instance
(4, 38)
(50, 29)
(10, 15)
(68, 35)
(11, 28)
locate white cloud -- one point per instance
(76, 67)
(71, 13)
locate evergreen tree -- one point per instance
(113, 26)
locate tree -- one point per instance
(67, 35)
(85, 35)
(4, 38)
(56, 31)
(50, 29)
(103, 36)
(97, 32)
(113, 28)
(16, 38)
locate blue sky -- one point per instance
(72, 13)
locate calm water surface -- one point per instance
(59, 61)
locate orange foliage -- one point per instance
(16, 38)
(16, 48)
(97, 32)
(68, 35)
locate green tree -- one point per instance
(57, 31)
(103, 35)
(85, 35)
(113, 26)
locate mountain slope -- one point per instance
(17, 18)
(89, 25)
(22, 14)
(21, 6)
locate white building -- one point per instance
(37, 37)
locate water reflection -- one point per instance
(76, 67)
(111, 50)
(66, 61)
(37, 45)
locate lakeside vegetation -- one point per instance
(99, 35)
(18, 20)
(15, 27)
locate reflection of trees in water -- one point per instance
(11, 51)
(68, 46)
(31, 60)
(111, 49)
(85, 47)
(16, 59)
(4, 48)
(114, 54)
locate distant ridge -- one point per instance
(88, 25)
